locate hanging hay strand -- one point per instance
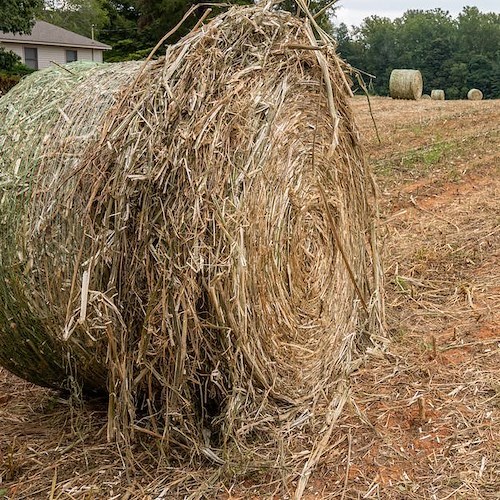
(194, 237)
(474, 95)
(405, 84)
(437, 95)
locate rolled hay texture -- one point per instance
(437, 95)
(193, 236)
(426, 97)
(474, 95)
(405, 84)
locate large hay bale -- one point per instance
(474, 95)
(193, 236)
(405, 84)
(437, 95)
(425, 97)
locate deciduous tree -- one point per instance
(80, 16)
(16, 17)
(452, 54)
(19, 17)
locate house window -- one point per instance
(31, 57)
(71, 55)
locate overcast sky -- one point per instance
(354, 11)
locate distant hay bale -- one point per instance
(194, 237)
(474, 95)
(405, 84)
(426, 97)
(437, 95)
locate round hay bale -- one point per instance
(194, 236)
(474, 95)
(437, 95)
(425, 97)
(405, 84)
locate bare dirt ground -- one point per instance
(424, 421)
(432, 411)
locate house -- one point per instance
(48, 43)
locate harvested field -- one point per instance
(424, 419)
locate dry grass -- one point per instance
(437, 94)
(434, 406)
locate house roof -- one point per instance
(44, 33)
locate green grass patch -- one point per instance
(418, 161)
(428, 156)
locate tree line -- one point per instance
(452, 54)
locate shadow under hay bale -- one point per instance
(194, 236)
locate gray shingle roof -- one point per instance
(44, 33)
